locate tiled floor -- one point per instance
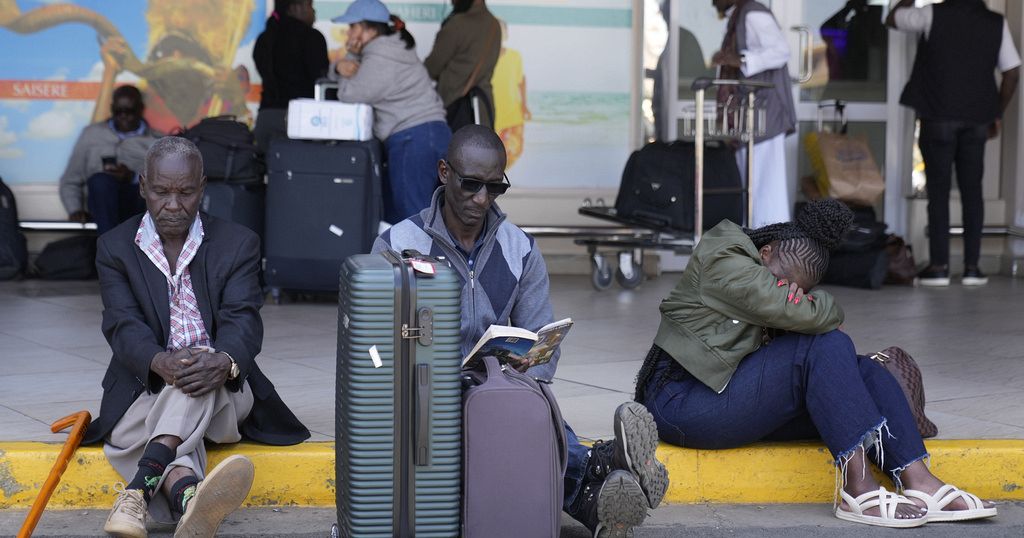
(969, 343)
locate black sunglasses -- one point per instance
(472, 185)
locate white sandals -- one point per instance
(886, 501)
(943, 497)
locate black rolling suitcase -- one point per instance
(398, 403)
(323, 205)
(657, 186)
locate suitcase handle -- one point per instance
(424, 384)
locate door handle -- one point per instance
(806, 53)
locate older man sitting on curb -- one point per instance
(608, 487)
(181, 301)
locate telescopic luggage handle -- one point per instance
(839, 114)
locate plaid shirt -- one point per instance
(187, 327)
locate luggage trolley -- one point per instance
(735, 120)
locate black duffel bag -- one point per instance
(228, 148)
(657, 188)
(71, 258)
(861, 259)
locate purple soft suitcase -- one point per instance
(514, 456)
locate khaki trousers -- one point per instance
(215, 416)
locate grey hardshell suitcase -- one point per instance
(398, 398)
(514, 456)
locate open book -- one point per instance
(519, 348)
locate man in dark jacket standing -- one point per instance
(181, 300)
(952, 88)
(290, 55)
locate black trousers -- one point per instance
(944, 144)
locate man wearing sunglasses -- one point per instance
(609, 487)
(100, 182)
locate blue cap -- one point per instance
(365, 10)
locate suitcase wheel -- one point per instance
(601, 274)
(635, 276)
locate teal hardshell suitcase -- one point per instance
(398, 399)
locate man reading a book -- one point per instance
(608, 487)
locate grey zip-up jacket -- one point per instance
(394, 82)
(507, 284)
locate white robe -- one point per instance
(766, 49)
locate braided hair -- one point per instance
(804, 244)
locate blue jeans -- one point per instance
(576, 467)
(112, 202)
(797, 387)
(413, 154)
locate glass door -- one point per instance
(839, 50)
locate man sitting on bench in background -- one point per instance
(609, 487)
(105, 162)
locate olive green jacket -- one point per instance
(716, 314)
(463, 41)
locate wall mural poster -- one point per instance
(562, 85)
(62, 60)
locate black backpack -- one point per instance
(861, 259)
(13, 252)
(71, 258)
(228, 148)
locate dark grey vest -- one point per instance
(954, 72)
(778, 100)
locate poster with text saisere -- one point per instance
(62, 61)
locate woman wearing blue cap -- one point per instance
(382, 70)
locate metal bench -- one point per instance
(56, 226)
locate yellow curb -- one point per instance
(803, 472)
(303, 475)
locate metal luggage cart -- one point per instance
(735, 120)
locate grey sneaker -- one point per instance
(636, 439)
(221, 493)
(127, 518)
(610, 509)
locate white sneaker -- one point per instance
(221, 493)
(127, 518)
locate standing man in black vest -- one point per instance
(953, 90)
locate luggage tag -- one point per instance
(419, 262)
(423, 267)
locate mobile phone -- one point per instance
(109, 161)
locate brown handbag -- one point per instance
(902, 366)
(902, 269)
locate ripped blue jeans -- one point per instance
(797, 387)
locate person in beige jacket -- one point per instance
(465, 52)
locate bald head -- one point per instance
(475, 142)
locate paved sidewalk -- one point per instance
(969, 343)
(699, 520)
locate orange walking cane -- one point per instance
(79, 422)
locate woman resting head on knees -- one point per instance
(748, 351)
(383, 71)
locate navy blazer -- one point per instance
(136, 321)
